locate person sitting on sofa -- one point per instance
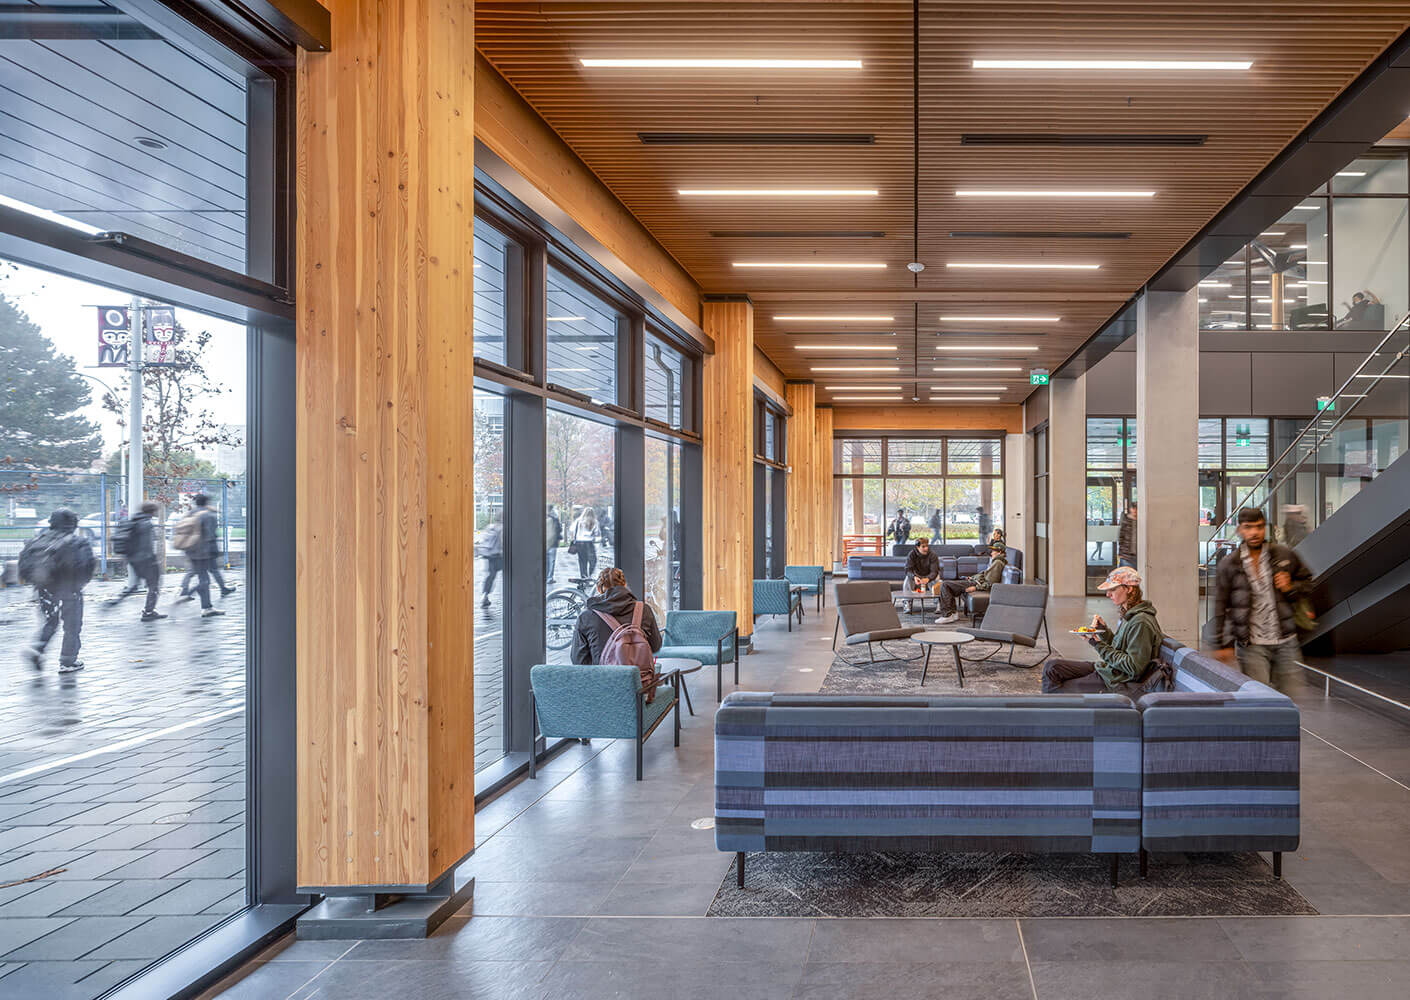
(922, 571)
(1126, 657)
(950, 590)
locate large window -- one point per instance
(664, 537)
(490, 580)
(583, 333)
(1040, 504)
(667, 376)
(580, 471)
(770, 489)
(1339, 259)
(498, 276)
(950, 488)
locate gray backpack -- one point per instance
(628, 645)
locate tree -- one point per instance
(180, 465)
(41, 396)
(176, 419)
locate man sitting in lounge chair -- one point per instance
(949, 591)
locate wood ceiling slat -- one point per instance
(1304, 54)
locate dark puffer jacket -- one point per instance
(592, 633)
(1233, 597)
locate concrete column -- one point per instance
(1167, 470)
(1017, 476)
(1067, 487)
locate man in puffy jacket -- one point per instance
(1255, 587)
(1125, 657)
(922, 571)
(59, 563)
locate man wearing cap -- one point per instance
(1126, 656)
(950, 590)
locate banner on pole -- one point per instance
(114, 336)
(159, 340)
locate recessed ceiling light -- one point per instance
(1204, 300)
(1273, 232)
(779, 192)
(977, 265)
(977, 368)
(967, 388)
(1000, 319)
(986, 347)
(1351, 173)
(812, 265)
(721, 63)
(843, 347)
(964, 399)
(1042, 193)
(834, 319)
(149, 142)
(1116, 64)
(857, 368)
(567, 319)
(44, 213)
(866, 399)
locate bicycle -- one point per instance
(561, 609)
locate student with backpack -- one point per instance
(58, 563)
(136, 540)
(614, 627)
(197, 536)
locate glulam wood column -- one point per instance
(727, 494)
(384, 524)
(803, 522)
(824, 495)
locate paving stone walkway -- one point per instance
(122, 786)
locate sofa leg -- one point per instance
(1115, 861)
(870, 655)
(1145, 860)
(739, 868)
(1277, 864)
(638, 758)
(836, 626)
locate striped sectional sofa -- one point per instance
(1221, 762)
(1210, 766)
(853, 773)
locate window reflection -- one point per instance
(580, 476)
(583, 332)
(490, 579)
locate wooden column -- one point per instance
(385, 513)
(727, 507)
(826, 495)
(804, 524)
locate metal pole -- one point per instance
(134, 435)
(225, 519)
(103, 507)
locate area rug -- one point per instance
(784, 884)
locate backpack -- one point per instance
(122, 538)
(56, 560)
(37, 559)
(187, 532)
(627, 645)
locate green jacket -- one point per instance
(1127, 655)
(992, 574)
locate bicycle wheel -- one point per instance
(561, 609)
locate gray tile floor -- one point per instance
(143, 836)
(591, 885)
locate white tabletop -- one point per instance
(943, 638)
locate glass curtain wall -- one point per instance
(664, 541)
(1338, 260)
(1040, 504)
(770, 490)
(490, 581)
(951, 489)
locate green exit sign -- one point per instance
(1326, 403)
(1038, 376)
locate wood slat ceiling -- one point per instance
(1303, 55)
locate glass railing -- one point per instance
(1329, 460)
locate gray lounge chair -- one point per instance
(1016, 614)
(865, 614)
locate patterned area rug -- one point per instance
(988, 885)
(1003, 885)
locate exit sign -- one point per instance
(1326, 403)
(1038, 376)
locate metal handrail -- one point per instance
(1314, 425)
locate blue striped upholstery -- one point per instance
(772, 597)
(810, 578)
(1221, 761)
(807, 772)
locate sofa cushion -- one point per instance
(705, 654)
(1200, 673)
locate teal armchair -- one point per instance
(707, 636)
(606, 701)
(773, 597)
(811, 578)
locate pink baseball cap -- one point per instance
(1122, 576)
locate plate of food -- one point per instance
(1084, 630)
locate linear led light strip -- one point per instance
(866, 399)
(779, 192)
(721, 63)
(858, 368)
(1000, 319)
(1042, 193)
(986, 347)
(842, 347)
(1115, 64)
(818, 265)
(967, 388)
(834, 319)
(981, 368)
(978, 265)
(862, 388)
(964, 399)
(567, 319)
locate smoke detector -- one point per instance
(915, 267)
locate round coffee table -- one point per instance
(679, 663)
(938, 638)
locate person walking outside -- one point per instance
(1126, 538)
(58, 562)
(901, 527)
(136, 539)
(202, 510)
(553, 537)
(490, 547)
(949, 591)
(986, 524)
(937, 524)
(198, 537)
(1256, 587)
(1125, 657)
(582, 542)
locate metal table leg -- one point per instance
(686, 691)
(925, 669)
(959, 663)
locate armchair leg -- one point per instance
(677, 708)
(1277, 864)
(835, 628)
(1115, 860)
(739, 868)
(789, 616)
(1046, 638)
(533, 735)
(1145, 862)
(870, 655)
(639, 737)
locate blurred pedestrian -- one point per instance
(553, 537)
(198, 537)
(136, 540)
(582, 542)
(58, 562)
(1126, 538)
(490, 547)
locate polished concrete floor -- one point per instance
(590, 884)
